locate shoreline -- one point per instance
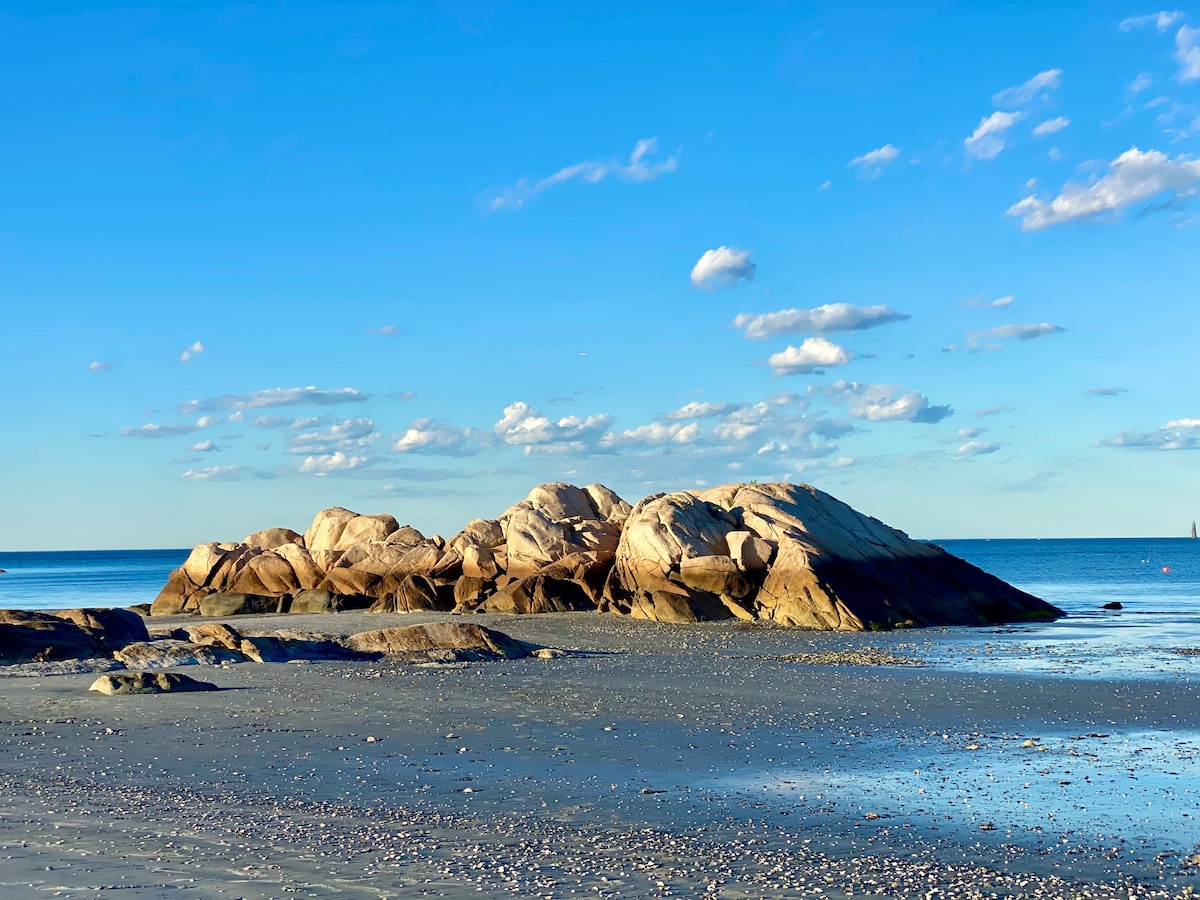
(555, 770)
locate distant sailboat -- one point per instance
(1193, 530)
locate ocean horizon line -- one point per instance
(930, 540)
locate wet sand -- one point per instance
(715, 760)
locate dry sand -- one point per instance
(715, 760)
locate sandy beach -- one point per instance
(653, 760)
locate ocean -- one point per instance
(1156, 581)
(64, 579)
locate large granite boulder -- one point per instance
(237, 604)
(114, 628)
(534, 539)
(837, 569)
(557, 520)
(539, 594)
(463, 640)
(39, 637)
(663, 531)
(315, 601)
(273, 539)
(339, 529)
(414, 593)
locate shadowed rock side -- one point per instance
(71, 634)
(784, 553)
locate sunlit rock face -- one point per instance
(789, 554)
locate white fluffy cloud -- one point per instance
(99, 366)
(1132, 177)
(813, 355)
(190, 351)
(640, 167)
(345, 434)
(306, 396)
(656, 434)
(1178, 434)
(828, 318)
(884, 402)
(430, 436)
(698, 410)
(1023, 93)
(872, 164)
(722, 267)
(976, 448)
(1187, 53)
(1161, 20)
(987, 140)
(331, 462)
(216, 473)
(1051, 126)
(522, 425)
(204, 447)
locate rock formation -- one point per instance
(70, 634)
(783, 553)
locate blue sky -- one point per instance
(259, 259)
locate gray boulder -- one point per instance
(122, 683)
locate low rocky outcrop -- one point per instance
(50, 640)
(70, 634)
(121, 683)
(41, 637)
(114, 628)
(168, 653)
(783, 553)
(456, 640)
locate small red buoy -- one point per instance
(1166, 568)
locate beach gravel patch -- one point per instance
(866, 656)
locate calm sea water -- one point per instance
(1157, 581)
(63, 579)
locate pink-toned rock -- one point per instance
(266, 573)
(607, 504)
(663, 530)
(307, 569)
(273, 538)
(535, 540)
(750, 552)
(479, 562)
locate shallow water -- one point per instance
(1157, 583)
(1132, 792)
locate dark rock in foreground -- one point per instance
(783, 553)
(215, 643)
(70, 634)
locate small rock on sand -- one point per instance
(120, 683)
